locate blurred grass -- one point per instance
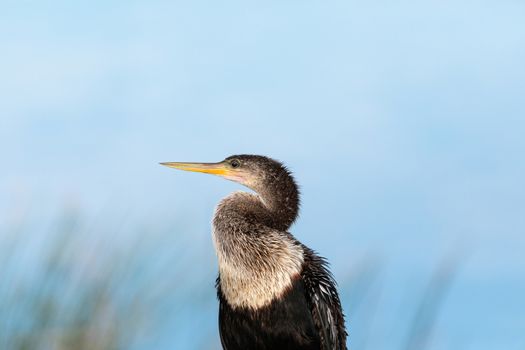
(72, 287)
(65, 289)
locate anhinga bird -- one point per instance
(274, 292)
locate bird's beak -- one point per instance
(208, 168)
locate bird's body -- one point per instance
(274, 292)
(286, 323)
(306, 316)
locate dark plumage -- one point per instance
(274, 292)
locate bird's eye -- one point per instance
(235, 163)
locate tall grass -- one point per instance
(67, 288)
(73, 287)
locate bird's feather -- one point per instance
(324, 301)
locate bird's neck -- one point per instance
(281, 198)
(258, 262)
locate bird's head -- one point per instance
(252, 171)
(269, 178)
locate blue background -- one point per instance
(403, 121)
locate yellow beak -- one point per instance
(208, 168)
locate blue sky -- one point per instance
(403, 122)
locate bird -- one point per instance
(274, 292)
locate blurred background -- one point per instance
(403, 121)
